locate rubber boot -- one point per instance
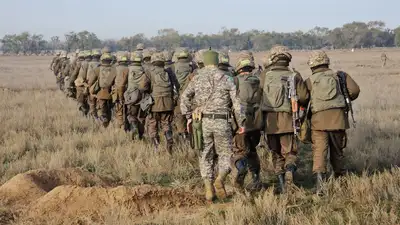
(319, 183)
(219, 185)
(282, 187)
(210, 191)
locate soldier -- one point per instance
(81, 83)
(384, 58)
(245, 155)
(329, 119)
(93, 64)
(54, 61)
(74, 71)
(277, 110)
(105, 75)
(159, 83)
(119, 88)
(58, 68)
(136, 116)
(140, 47)
(64, 72)
(183, 68)
(224, 65)
(214, 92)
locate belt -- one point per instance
(216, 116)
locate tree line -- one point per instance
(350, 35)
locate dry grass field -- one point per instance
(80, 173)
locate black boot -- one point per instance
(282, 187)
(255, 184)
(319, 183)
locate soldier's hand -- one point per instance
(241, 130)
(189, 124)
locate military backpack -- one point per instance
(276, 92)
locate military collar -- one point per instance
(285, 68)
(319, 70)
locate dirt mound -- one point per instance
(25, 188)
(81, 197)
(71, 203)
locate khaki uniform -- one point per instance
(278, 125)
(121, 81)
(91, 79)
(183, 68)
(82, 89)
(53, 63)
(158, 84)
(328, 129)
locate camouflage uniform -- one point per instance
(158, 82)
(119, 87)
(329, 119)
(96, 54)
(105, 74)
(54, 61)
(58, 69)
(214, 93)
(74, 71)
(183, 68)
(244, 145)
(136, 116)
(384, 58)
(277, 110)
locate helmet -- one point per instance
(96, 52)
(106, 50)
(140, 46)
(168, 55)
(88, 53)
(318, 58)
(242, 63)
(136, 56)
(77, 51)
(81, 54)
(58, 53)
(279, 52)
(180, 53)
(157, 57)
(106, 56)
(122, 56)
(210, 57)
(223, 58)
(63, 54)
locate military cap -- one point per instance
(157, 57)
(210, 57)
(279, 52)
(96, 52)
(140, 46)
(122, 56)
(318, 58)
(136, 56)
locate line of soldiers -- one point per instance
(224, 111)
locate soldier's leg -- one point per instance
(92, 106)
(320, 146)
(289, 152)
(104, 111)
(81, 98)
(206, 161)
(119, 114)
(152, 125)
(223, 147)
(253, 159)
(274, 144)
(133, 120)
(166, 126)
(239, 162)
(141, 122)
(337, 142)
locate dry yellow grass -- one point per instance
(40, 128)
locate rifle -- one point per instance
(294, 99)
(345, 91)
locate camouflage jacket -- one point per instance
(214, 91)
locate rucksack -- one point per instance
(276, 92)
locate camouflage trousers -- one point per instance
(81, 97)
(92, 105)
(179, 120)
(136, 118)
(104, 108)
(328, 141)
(244, 147)
(162, 119)
(217, 137)
(119, 114)
(284, 151)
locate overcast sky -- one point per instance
(114, 19)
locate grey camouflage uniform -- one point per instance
(217, 133)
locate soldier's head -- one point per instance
(168, 56)
(245, 65)
(77, 52)
(63, 54)
(182, 54)
(199, 58)
(96, 54)
(106, 58)
(318, 59)
(279, 56)
(136, 58)
(81, 56)
(210, 58)
(58, 53)
(223, 58)
(158, 59)
(88, 55)
(147, 53)
(140, 47)
(122, 58)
